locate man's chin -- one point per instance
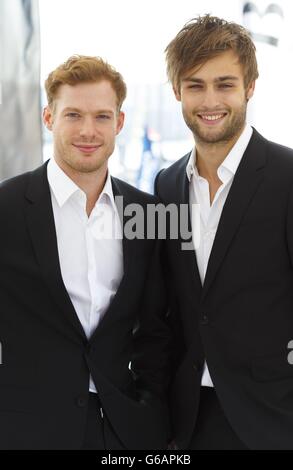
(211, 136)
(211, 139)
(88, 168)
(216, 136)
(86, 164)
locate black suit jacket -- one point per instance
(46, 357)
(241, 320)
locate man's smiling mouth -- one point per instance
(211, 118)
(86, 148)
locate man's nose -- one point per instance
(88, 128)
(210, 98)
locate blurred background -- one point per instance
(37, 35)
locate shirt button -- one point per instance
(81, 401)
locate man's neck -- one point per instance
(91, 183)
(208, 159)
(210, 156)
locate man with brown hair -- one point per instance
(80, 301)
(232, 299)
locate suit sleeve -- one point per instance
(152, 334)
(290, 225)
(177, 349)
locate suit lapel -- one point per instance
(119, 192)
(246, 182)
(128, 247)
(41, 226)
(188, 257)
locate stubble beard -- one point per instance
(231, 129)
(77, 163)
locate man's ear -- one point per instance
(120, 122)
(250, 90)
(48, 117)
(177, 94)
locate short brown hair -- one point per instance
(84, 69)
(204, 38)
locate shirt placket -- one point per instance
(204, 198)
(92, 275)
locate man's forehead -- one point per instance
(86, 87)
(224, 64)
(87, 95)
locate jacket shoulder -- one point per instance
(168, 177)
(133, 194)
(15, 185)
(175, 168)
(283, 153)
(13, 190)
(280, 164)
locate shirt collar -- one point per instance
(63, 187)
(231, 162)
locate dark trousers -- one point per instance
(99, 433)
(94, 433)
(212, 430)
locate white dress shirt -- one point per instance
(91, 267)
(210, 214)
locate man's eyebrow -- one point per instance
(98, 111)
(226, 77)
(104, 111)
(218, 79)
(71, 109)
(193, 80)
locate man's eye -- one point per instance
(103, 116)
(72, 115)
(226, 85)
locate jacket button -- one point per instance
(81, 401)
(204, 320)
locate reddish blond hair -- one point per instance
(84, 69)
